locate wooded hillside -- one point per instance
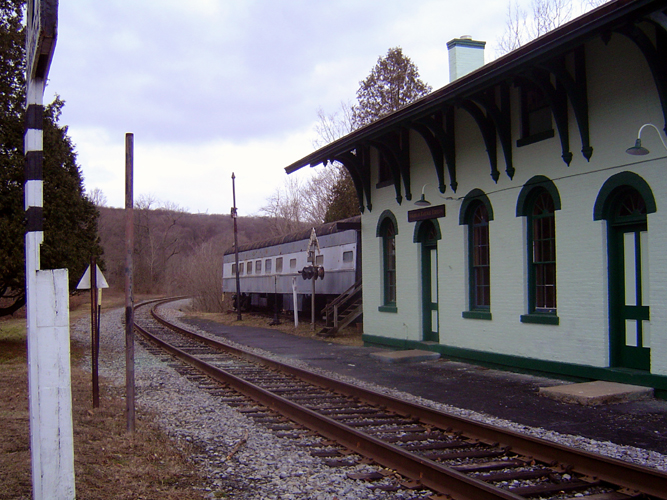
(174, 251)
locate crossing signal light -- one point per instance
(312, 272)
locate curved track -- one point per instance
(453, 456)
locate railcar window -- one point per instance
(292, 263)
(279, 265)
(348, 256)
(267, 266)
(258, 267)
(233, 269)
(319, 260)
(241, 269)
(249, 267)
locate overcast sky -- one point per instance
(211, 87)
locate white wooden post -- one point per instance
(296, 306)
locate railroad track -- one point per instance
(453, 456)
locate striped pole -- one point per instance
(47, 291)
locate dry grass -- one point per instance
(109, 463)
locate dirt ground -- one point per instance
(109, 463)
(350, 335)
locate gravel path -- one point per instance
(265, 466)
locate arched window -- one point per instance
(538, 202)
(542, 253)
(479, 259)
(387, 231)
(476, 212)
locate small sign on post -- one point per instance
(94, 282)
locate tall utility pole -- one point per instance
(47, 291)
(129, 270)
(236, 251)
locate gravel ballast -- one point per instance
(265, 466)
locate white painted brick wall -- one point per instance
(622, 97)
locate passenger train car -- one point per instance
(267, 268)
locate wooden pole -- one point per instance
(129, 299)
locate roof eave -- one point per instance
(557, 41)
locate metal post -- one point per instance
(95, 332)
(129, 299)
(312, 303)
(236, 251)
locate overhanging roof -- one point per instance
(604, 19)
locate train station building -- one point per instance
(508, 217)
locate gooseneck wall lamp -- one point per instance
(638, 149)
(423, 202)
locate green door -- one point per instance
(629, 287)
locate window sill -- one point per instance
(540, 319)
(532, 139)
(476, 315)
(388, 309)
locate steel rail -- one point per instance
(429, 473)
(624, 474)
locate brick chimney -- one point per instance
(465, 55)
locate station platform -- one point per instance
(512, 396)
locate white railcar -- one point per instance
(267, 268)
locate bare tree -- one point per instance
(157, 240)
(549, 14)
(515, 29)
(199, 275)
(333, 126)
(541, 17)
(284, 207)
(97, 197)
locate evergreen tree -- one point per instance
(393, 83)
(70, 219)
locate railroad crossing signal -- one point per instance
(312, 272)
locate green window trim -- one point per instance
(538, 201)
(387, 229)
(472, 197)
(604, 201)
(387, 214)
(524, 203)
(476, 212)
(388, 308)
(418, 237)
(475, 314)
(540, 319)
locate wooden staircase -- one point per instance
(342, 311)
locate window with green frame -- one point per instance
(478, 259)
(389, 262)
(538, 202)
(386, 230)
(476, 212)
(542, 253)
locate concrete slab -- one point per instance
(596, 393)
(408, 356)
